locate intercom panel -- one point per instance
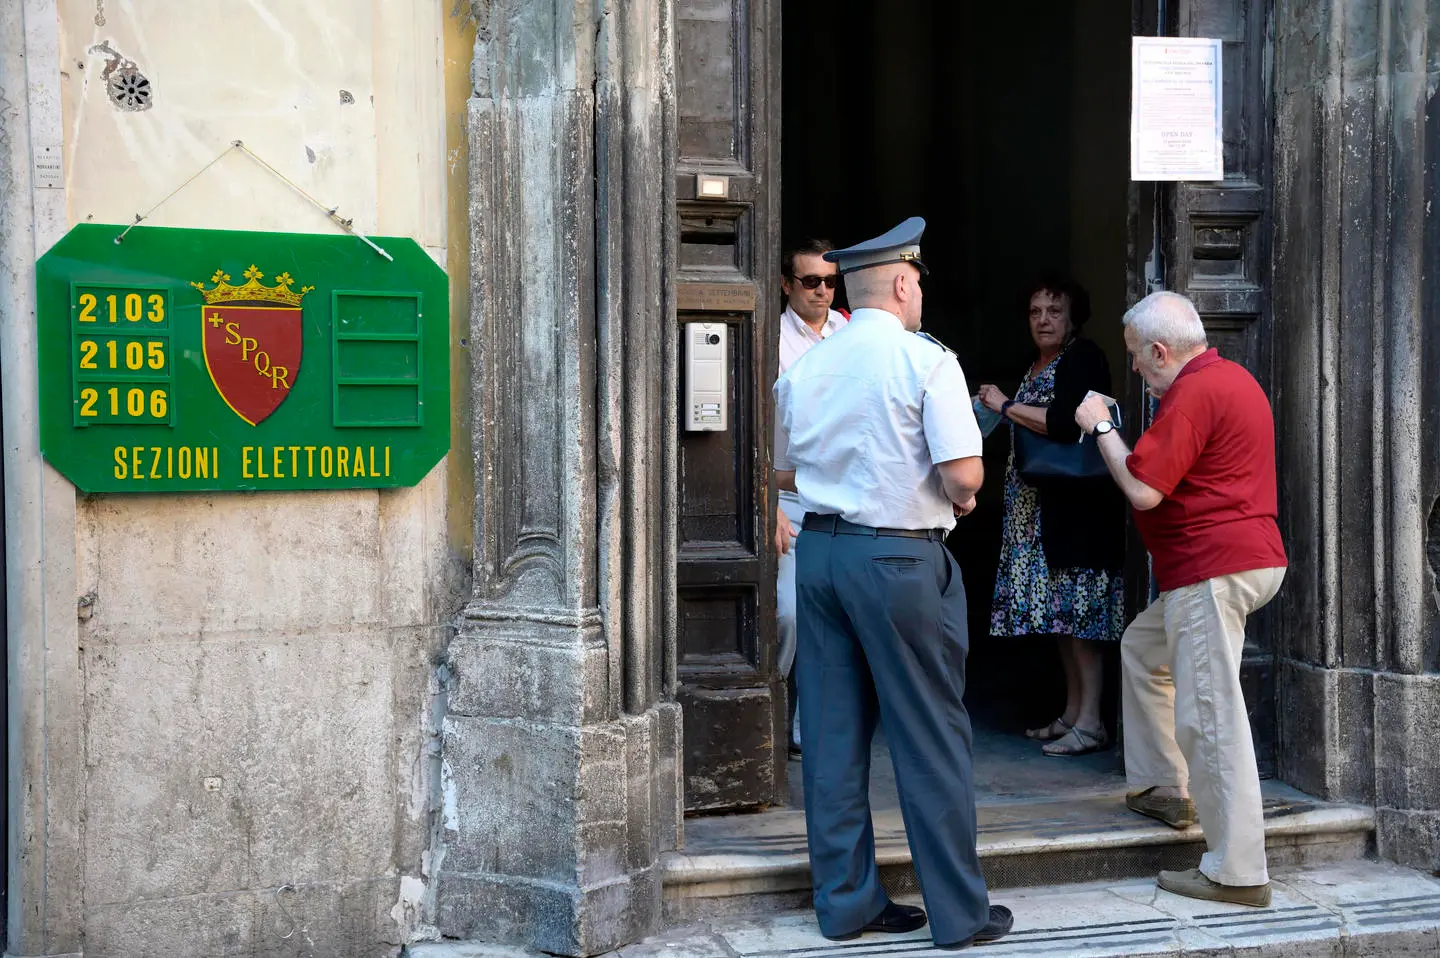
(707, 363)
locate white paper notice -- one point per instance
(1175, 109)
(49, 166)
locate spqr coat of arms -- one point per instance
(253, 340)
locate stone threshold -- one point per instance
(738, 864)
(1341, 910)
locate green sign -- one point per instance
(202, 360)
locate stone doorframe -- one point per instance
(1357, 402)
(561, 750)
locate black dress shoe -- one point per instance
(996, 928)
(895, 919)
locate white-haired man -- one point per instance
(1202, 483)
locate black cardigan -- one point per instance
(1082, 522)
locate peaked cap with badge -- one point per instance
(900, 245)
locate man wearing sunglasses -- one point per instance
(808, 282)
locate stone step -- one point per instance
(1339, 910)
(749, 865)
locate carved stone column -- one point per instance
(1358, 310)
(562, 741)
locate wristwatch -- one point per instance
(1102, 427)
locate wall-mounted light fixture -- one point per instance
(712, 187)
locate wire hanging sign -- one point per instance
(348, 225)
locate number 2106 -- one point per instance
(133, 403)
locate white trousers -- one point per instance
(785, 594)
(1185, 719)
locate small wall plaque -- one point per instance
(716, 297)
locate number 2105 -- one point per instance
(134, 355)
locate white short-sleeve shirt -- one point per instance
(864, 417)
(796, 336)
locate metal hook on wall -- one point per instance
(279, 903)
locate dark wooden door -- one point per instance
(1217, 245)
(727, 79)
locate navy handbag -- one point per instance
(1039, 459)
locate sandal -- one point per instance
(1049, 732)
(1078, 741)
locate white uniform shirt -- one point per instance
(863, 418)
(796, 336)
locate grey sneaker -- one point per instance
(1192, 884)
(1175, 812)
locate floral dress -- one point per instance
(1030, 597)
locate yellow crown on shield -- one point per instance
(252, 291)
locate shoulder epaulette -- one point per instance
(928, 338)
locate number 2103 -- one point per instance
(133, 307)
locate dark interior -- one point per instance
(1007, 128)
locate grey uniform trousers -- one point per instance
(882, 636)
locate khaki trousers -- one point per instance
(1185, 720)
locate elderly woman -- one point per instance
(1063, 544)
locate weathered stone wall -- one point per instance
(254, 770)
(1357, 249)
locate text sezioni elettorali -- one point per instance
(251, 462)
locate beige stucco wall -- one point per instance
(257, 668)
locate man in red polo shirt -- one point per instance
(1202, 482)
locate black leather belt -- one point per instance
(814, 522)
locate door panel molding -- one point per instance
(727, 71)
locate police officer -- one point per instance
(875, 431)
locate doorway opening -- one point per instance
(1006, 127)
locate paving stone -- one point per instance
(467, 949)
(1344, 885)
(1089, 920)
(1423, 943)
(695, 942)
(797, 935)
(684, 943)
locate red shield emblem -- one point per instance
(253, 355)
